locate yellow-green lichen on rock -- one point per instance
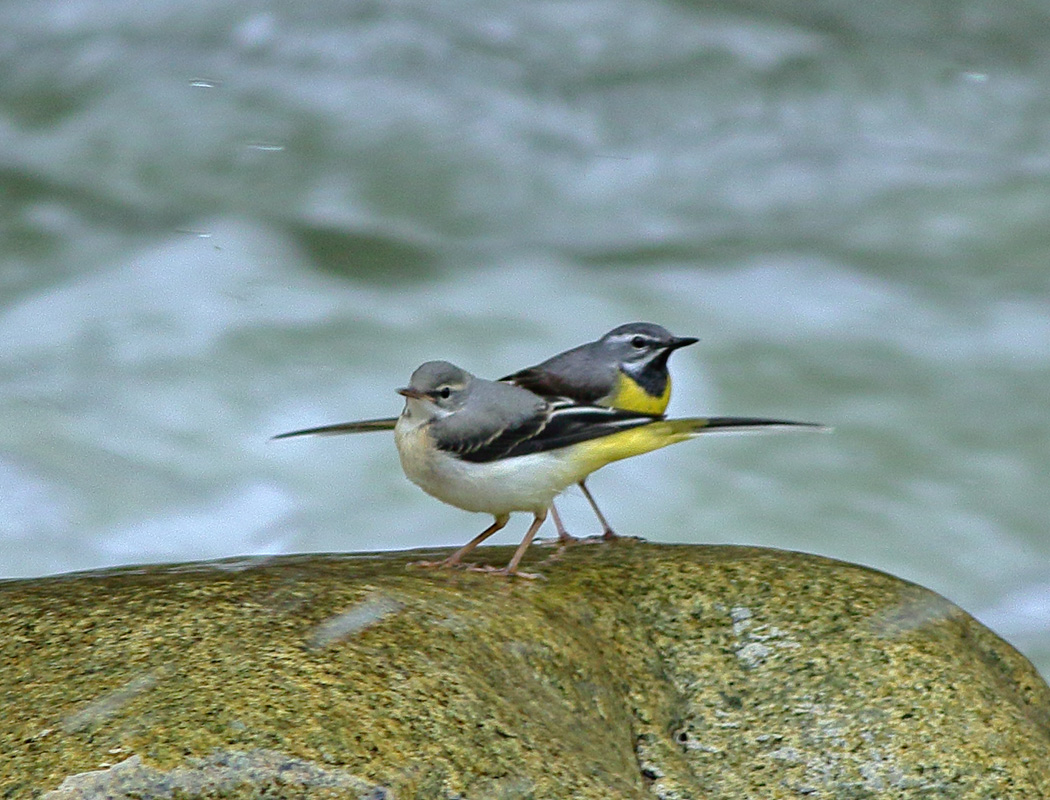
(632, 671)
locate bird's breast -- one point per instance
(632, 395)
(524, 483)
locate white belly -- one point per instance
(525, 483)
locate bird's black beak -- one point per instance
(408, 391)
(681, 341)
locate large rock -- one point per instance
(633, 671)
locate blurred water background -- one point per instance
(219, 221)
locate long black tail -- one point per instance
(740, 424)
(361, 426)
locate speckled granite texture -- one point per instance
(633, 671)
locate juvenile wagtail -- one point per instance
(624, 369)
(494, 447)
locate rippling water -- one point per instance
(222, 221)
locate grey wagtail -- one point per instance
(494, 447)
(624, 369)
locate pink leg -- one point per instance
(512, 567)
(454, 559)
(563, 535)
(607, 532)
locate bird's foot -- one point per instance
(596, 539)
(561, 542)
(606, 536)
(505, 572)
(443, 564)
(609, 536)
(487, 569)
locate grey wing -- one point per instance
(480, 447)
(547, 384)
(498, 420)
(575, 374)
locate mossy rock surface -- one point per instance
(633, 671)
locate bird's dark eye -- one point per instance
(445, 392)
(638, 342)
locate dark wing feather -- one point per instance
(491, 445)
(567, 424)
(579, 374)
(552, 385)
(575, 423)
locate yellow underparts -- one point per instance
(596, 453)
(630, 396)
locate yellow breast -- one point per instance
(630, 396)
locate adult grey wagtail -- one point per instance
(496, 448)
(624, 369)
